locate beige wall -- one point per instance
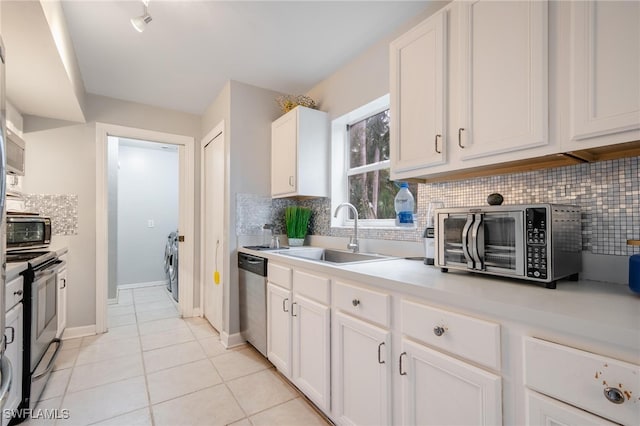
(61, 160)
(247, 112)
(364, 78)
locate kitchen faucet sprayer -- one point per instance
(353, 242)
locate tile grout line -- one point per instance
(144, 365)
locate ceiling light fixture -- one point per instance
(140, 22)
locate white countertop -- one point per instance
(605, 313)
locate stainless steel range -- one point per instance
(41, 346)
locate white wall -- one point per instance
(248, 112)
(147, 191)
(61, 160)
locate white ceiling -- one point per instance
(191, 48)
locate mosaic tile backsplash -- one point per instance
(62, 209)
(608, 193)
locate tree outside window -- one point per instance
(370, 189)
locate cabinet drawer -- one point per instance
(13, 293)
(582, 379)
(471, 338)
(313, 286)
(280, 275)
(363, 303)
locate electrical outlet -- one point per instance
(150, 223)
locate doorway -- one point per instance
(213, 201)
(143, 217)
(186, 190)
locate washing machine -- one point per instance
(167, 258)
(173, 267)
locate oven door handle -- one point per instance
(7, 378)
(465, 241)
(53, 269)
(51, 361)
(477, 237)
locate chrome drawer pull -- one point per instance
(284, 301)
(402, 373)
(13, 336)
(18, 293)
(380, 361)
(355, 302)
(614, 395)
(438, 331)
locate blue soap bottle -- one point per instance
(634, 268)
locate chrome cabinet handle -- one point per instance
(13, 335)
(438, 331)
(355, 302)
(614, 395)
(291, 181)
(402, 373)
(460, 137)
(436, 144)
(284, 301)
(292, 314)
(64, 284)
(380, 361)
(18, 293)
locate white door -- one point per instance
(542, 410)
(279, 328)
(214, 231)
(418, 71)
(440, 390)
(503, 80)
(311, 349)
(284, 154)
(14, 337)
(362, 380)
(605, 55)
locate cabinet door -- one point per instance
(14, 329)
(542, 410)
(418, 70)
(362, 363)
(62, 301)
(311, 350)
(605, 67)
(284, 156)
(279, 328)
(503, 57)
(441, 390)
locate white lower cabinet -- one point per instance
(62, 301)
(13, 351)
(362, 372)
(311, 349)
(542, 410)
(440, 390)
(279, 328)
(298, 335)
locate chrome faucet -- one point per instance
(353, 242)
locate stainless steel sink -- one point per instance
(335, 256)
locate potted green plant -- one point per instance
(297, 221)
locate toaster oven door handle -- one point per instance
(477, 242)
(465, 241)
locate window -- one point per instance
(362, 137)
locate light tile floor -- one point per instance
(154, 368)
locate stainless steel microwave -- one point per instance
(28, 231)
(536, 242)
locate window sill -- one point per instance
(381, 228)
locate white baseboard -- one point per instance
(75, 332)
(140, 285)
(231, 340)
(196, 312)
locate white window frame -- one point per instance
(340, 163)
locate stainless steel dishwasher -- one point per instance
(252, 272)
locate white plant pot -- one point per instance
(296, 242)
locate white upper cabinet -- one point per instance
(469, 87)
(418, 71)
(503, 74)
(605, 68)
(300, 154)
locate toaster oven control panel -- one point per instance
(537, 242)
